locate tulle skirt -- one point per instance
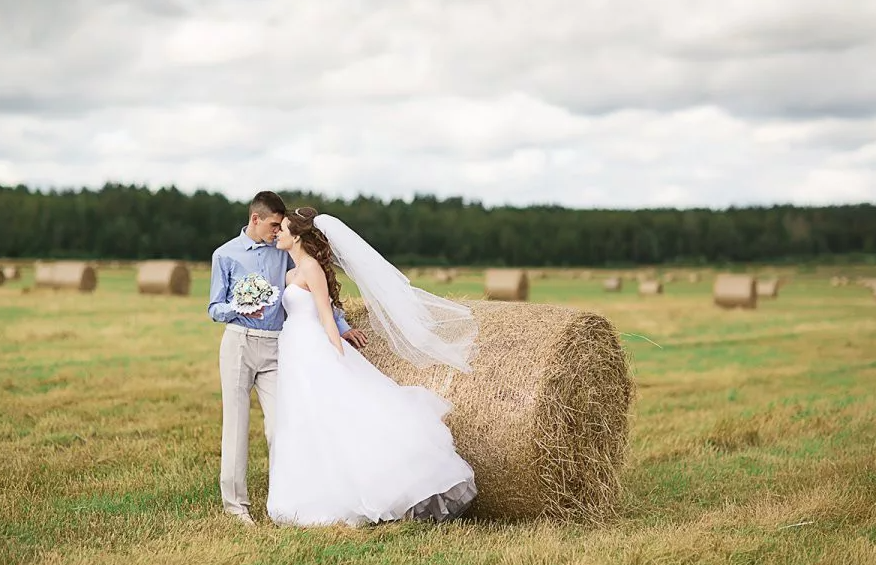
(350, 445)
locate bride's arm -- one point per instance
(314, 276)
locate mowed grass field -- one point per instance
(753, 436)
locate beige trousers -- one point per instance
(245, 362)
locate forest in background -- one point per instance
(134, 222)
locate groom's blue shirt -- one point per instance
(240, 257)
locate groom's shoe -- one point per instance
(244, 519)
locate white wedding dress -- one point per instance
(351, 445)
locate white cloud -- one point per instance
(586, 103)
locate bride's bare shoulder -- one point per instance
(311, 266)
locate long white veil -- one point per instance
(419, 326)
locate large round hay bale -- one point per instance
(767, 288)
(650, 287)
(164, 277)
(11, 273)
(735, 291)
(65, 275)
(506, 284)
(613, 284)
(542, 418)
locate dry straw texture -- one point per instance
(11, 273)
(164, 277)
(543, 418)
(613, 284)
(650, 287)
(768, 288)
(2, 277)
(66, 275)
(735, 291)
(506, 284)
(694, 278)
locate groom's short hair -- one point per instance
(267, 203)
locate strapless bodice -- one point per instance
(299, 303)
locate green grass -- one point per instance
(752, 436)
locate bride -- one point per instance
(351, 445)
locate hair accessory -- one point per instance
(297, 213)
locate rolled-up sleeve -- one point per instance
(219, 309)
(341, 321)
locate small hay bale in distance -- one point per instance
(65, 275)
(669, 277)
(43, 274)
(613, 284)
(650, 288)
(735, 291)
(11, 273)
(694, 278)
(2, 277)
(542, 418)
(767, 288)
(443, 276)
(164, 277)
(536, 274)
(506, 284)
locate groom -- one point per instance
(248, 352)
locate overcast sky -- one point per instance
(585, 103)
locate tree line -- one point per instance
(133, 222)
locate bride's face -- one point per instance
(285, 239)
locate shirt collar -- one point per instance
(248, 242)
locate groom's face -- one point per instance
(266, 228)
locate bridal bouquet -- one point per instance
(253, 292)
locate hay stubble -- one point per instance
(746, 422)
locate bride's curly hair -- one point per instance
(317, 246)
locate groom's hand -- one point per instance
(356, 338)
(258, 314)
